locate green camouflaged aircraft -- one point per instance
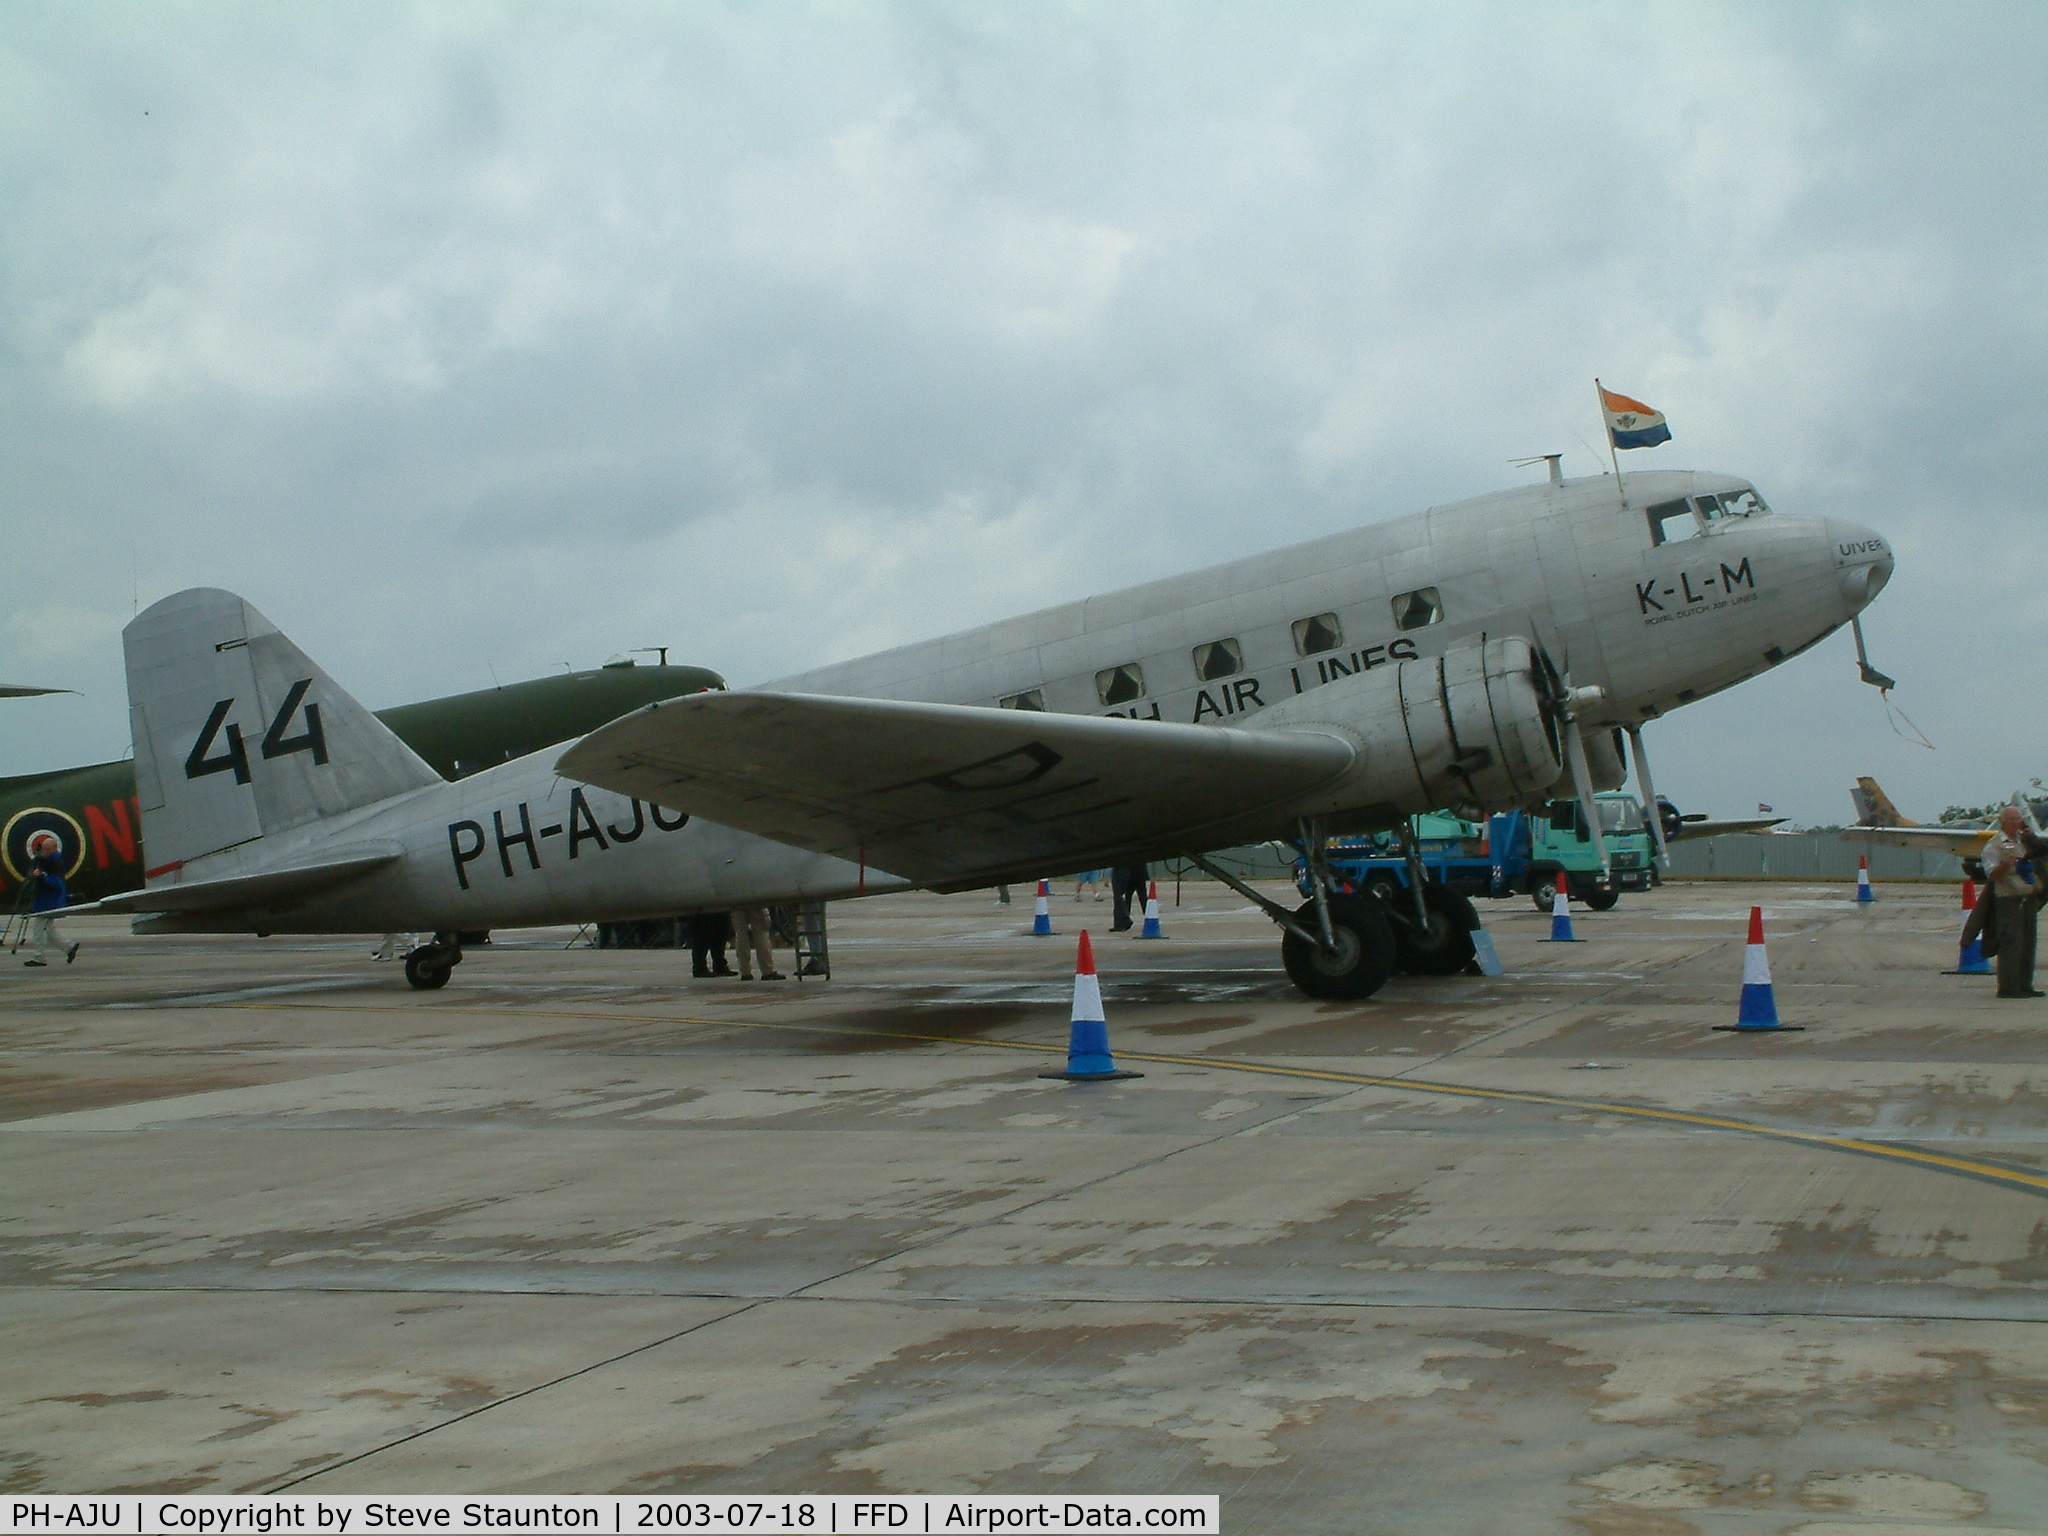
(95, 816)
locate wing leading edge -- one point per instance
(948, 795)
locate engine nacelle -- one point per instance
(1469, 728)
(1605, 765)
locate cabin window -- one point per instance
(1313, 636)
(1671, 521)
(1219, 658)
(1120, 685)
(1419, 609)
(1030, 698)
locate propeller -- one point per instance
(1564, 702)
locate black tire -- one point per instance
(1601, 901)
(1366, 953)
(1447, 949)
(1541, 900)
(428, 967)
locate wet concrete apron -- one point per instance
(1537, 1253)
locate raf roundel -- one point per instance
(24, 827)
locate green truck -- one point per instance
(1516, 853)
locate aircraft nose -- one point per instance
(1863, 562)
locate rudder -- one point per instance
(238, 734)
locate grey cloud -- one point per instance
(467, 337)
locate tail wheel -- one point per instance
(1602, 901)
(1541, 900)
(1446, 949)
(1364, 956)
(428, 966)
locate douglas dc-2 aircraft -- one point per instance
(1471, 655)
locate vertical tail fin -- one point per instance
(1874, 807)
(238, 734)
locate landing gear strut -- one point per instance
(428, 966)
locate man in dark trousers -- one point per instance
(1125, 882)
(708, 933)
(2010, 881)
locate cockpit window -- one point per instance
(1671, 521)
(1742, 504)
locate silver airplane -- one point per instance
(1472, 655)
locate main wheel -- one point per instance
(1364, 956)
(428, 966)
(1541, 900)
(1601, 901)
(1447, 947)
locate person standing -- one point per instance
(2010, 879)
(709, 932)
(1125, 882)
(751, 937)
(46, 896)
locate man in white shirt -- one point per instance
(2008, 877)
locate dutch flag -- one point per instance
(1630, 423)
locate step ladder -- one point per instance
(807, 938)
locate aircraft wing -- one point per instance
(948, 795)
(261, 888)
(28, 690)
(1964, 842)
(1710, 828)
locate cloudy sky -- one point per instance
(471, 340)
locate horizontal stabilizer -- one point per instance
(264, 888)
(942, 794)
(1692, 831)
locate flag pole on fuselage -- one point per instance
(1613, 456)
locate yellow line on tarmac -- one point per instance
(1973, 1168)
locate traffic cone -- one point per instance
(1863, 890)
(1041, 912)
(1561, 916)
(1151, 928)
(1971, 961)
(1088, 1058)
(1759, 1009)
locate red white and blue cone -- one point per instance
(1088, 1058)
(1759, 1009)
(1971, 961)
(1863, 890)
(1151, 928)
(1041, 912)
(1561, 916)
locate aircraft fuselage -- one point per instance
(1654, 611)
